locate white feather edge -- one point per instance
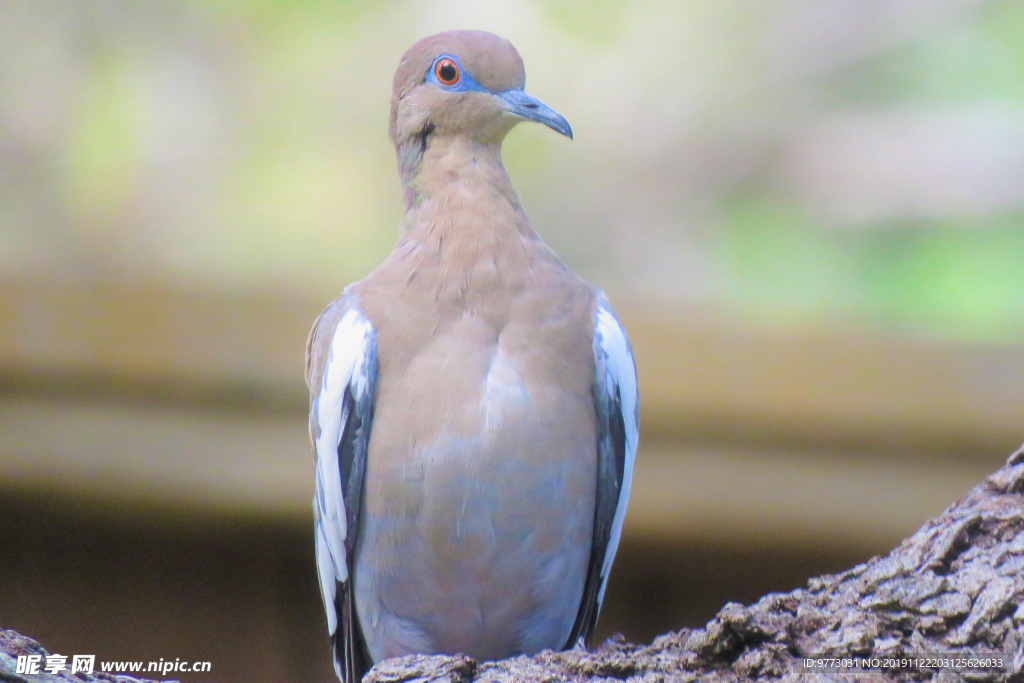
(620, 371)
(346, 366)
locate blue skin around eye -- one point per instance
(464, 83)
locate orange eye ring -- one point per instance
(447, 71)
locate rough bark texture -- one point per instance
(953, 588)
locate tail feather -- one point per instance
(351, 658)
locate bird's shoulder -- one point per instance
(322, 333)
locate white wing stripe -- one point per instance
(346, 366)
(328, 584)
(620, 377)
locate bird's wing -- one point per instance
(341, 372)
(618, 426)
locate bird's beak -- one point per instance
(528, 107)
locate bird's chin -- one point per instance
(504, 123)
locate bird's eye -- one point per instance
(447, 71)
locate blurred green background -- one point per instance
(810, 214)
(791, 162)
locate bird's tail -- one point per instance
(351, 658)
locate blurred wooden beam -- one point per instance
(194, 402)
(842, 387)
(767, 498)
(699, 377)
(152, 335)
(190, 463)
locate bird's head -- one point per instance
(464, 83)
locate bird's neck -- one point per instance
(460, 188)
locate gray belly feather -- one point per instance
(484, 549)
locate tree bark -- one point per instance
(952, 591)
